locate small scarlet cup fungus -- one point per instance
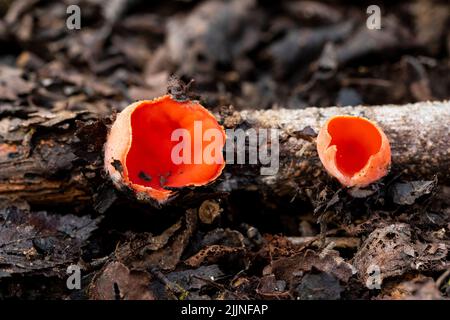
(139, 148)
(354, 150)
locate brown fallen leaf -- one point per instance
(387, 249)
(418, 288)
(116, 282)
(186, 284)
(213, 254)
(429, 21)
(164, 251)
(311, 11)
(291, 268)
(408, 192)
(319, 286)
(392, 251)
(12, 85)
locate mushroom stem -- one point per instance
(54, 170)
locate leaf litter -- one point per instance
(241, 54)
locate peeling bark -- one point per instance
(418, 134)
(56, 158)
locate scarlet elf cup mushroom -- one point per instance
(156, 146)
(354, 150)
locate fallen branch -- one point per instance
(56, 158)
(418, 134)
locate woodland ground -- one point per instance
(247, 54)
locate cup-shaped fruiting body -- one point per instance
(354, 150)
(156, 146)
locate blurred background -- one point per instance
(248, 53)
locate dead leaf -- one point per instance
(293, 267)
(392, 251)
(409, 192)
(320, 286)
(224, 237)
(419, 288)
(116, 282)
(271, 288)
(196, 279)
(203, 38)
(214, 254)
(12, 85)
(388, 249)
(164, 251)
(39, 242)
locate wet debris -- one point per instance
(117, 282)
(164, 251)
(12, 83)
(300, 46)
(212, 34)
(249, 54)
(41, 243)
(209, 210)
(271, 288)
(292, 269)
(313, 12)
(392, 251)
(187, 284)
(226, 237)
(418, 288)
(219, 246)
(406, 193)
(319, 286)
(217, 254)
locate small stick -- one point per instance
(339, 242)
(442, 278)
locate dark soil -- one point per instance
(252, 55)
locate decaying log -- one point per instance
(56, 158)
(418, 134)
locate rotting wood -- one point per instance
(337, 242)
(56, 158)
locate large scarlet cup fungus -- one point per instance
(354, 150)
(139, 147)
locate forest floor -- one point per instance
(251, 55)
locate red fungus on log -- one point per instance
(354, 150)
(138, 150)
